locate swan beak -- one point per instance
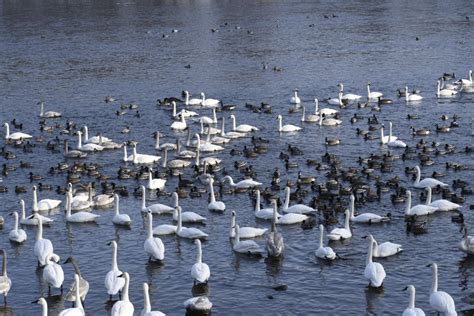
(365, 237)
(406, 288)
(428, 265)
(35, 302)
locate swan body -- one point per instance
(16, 135)
(188, 217)
(274, 242)
(79, 217)
(469, 81)
(411, 310)
(467, 243)
(48, 114)
(342, 233)
(374, 271)
(385, 249)
(194, 101)
(103, 200)
(288, 218)
(5, 281)
(198, 303)
(445, 93)
(120, 219)
(89, 146)
(418, 210)
(53, 273)
(426, 182)
(396, 143)
(179, 125)
(147, 305)
(324, 111)
(214, 206)
(157, 208)
(348, 96)
(165, 229)
(244, 184)
(230, 135)
(440, 301)
(384, 139)
(184, 112)
(207, 147)
(311, 118)
(33, 219)
(297, 208)
(143, 158)
(442, 204)
(113, 282)
(324, 252)
(295, 99)
(373, 95)
(155, 184)
(200, 271)
(17, 235)
(335, 101)
(175, 163)
(45, 204)
(288, 128)
(366, 217)
(245, 246)
(43, 247)
(266, 213)
(245, 232)
(208, 120)
(411, 96)
(209, 102)
(191, 232)
(95, 139)
(153, 246)
(243, 128)
(327, 121)
(123, 307)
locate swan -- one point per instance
(348, 96)
(385, 249)
(396, 143)
(210, 161)
(214, 206)
(216, 139)
(342, 233)
(442, 204)
(288, 218)
(44, 306)
(170, 146)
(385, 139)
(374, 271)
(245, 246)
(208, 120)
(324, 252)
(191, 101)
(81, 201)
(288, 127)
(33, 219)
(157, 208)
(418, 210)
(467, 243)
(77, 310)
(175, 163)
(297, 208)
(231, 135)
(366, 217)
(45, 204)
(79, 217)
(200, 271)
(94, 139)
(103, 200)
(411, 96)
(295, 99)
(467, 82)
(53, 273)
(311, 118)
(179, 125)
(183, 112)
(243, 128)
(373, 95)
(327, 121)
(147, 305)
(335, 101)
(120, 219)
(198, 304)
(444, 93)
(411, 310)
(274, 241)
(209, 130)
(209, 102)
(266, 213)
(426, 182)
(207, 147)
(89, 146)
(143, 158)
(83, 288)
(153, 246)
(72, 153)
(17, 235)
(123, 307)
(325, 111)
(188, 217)
(16, 135)
(113, 282)
(108, 144)
(43, 247)
(126, 157)
(441, 301)
(155, 184)
(191, 232)
(244, 184)
(245, 232)
(5, 282)
(48, 114)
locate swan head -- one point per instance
(233, 213)
(53, 257)
(69, 260)
(279, 117)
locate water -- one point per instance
(73, 54)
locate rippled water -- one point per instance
(73, 54)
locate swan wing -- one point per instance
(155, 248)
(43, 248)
(200, 272)
(114, 283)
(251, 232)
(443, 302)
(299, 209)
(53, 274)
(375, 273)
(122, 308)
(48, 204)
(339, 233)
(165, 229)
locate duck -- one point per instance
(295, 99)
(71, 295)
(418, 210)
(45, 204)
(120, 219)
(88, 146)
(426, 182)
(78, 217)
(5, 281)
(243, 128)
(53, 273)
(288, 218)
(17, 235)
(342, 233)
(374, 271)
(441, 204)
(368, 218)
(200, 271)
(288, 128)
(214, 206)
(189, 233)
(385, 249)
(155, 184)
(411, 96)
(411, 310)
(156, 208)
(113, 280)
(147, 305)
(373, 95)
(43, 247)
(244, 184)
(440, 301)
(245, 232)
(249, 247)
(326, 253)
(77, 310)
(297, 208)
(123, 307)
(16, 135)
(188, 217)
(153, 246)
(48, 114)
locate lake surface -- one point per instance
(72, 54)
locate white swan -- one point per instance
(77, 310)
(396, 143)
(328, 121)
(266, 213)
(441, 301)
(373, 95)
(444, 93)
(43, 247)
(245, 232)
(385, 249)
(159, 146)
(369, 218)
(325, 111)
(209, 102)
(147, 305)
(419, 209)
(342, 233)
(288, 218)
(295, 99)
(469, 81)
(335, 101)
(5, 281)
(87, 147)
(32, 220)
(72, 153)
(179, 125)
(120, 219)
(156, 208)
(103, 200)
(311, 118)
(207, 147)
(184, 112)
(48, 114)
(411, 310)
(153, 246)
(324, 252)
(385, 139)
(441, 204)
(200, 271)
(374, 271)
(44, 306)
(188, 232)
(175, 163)
(45, 204)
(113, 282)
(16, 135)
(194, 101)
(207, 120)
(83, 288)
(17, 235)
(288, 128)
(188, 217)
(244, 184)
(297, 208)
(411, 96)
(94, 139)
(143, 158)
(426, 182)
(79, 217)
(209, 161)
(349, 96)
(245, 246)
(80, 201)
(53, 273)
(242, 128)
(126, 157)
(467, 243)
(123, 307)
(214, 206)
(155, 184)
(231, 135)
(274, 242)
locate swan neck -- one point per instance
(197, 156)
(44, 307)
(23, 215)
(279, 123)
(165, 159)
(321, 236)
(42, 109)
(411, 303)
(7, 127)
(180, 222)
(408, 202)
(78, 294)
(352, 206)
(257, 204)
(346, 221)
(428, 198)
(237, 236)
(174, 109)
(222, 127)
(76, 267)
(287, 198)
(143, 198)
(434, 284)
(125, 288)
(157, 140)
(316, 108)
(211, 189)
(79, 144)
(39, 233)
(150, 225)
(199, 253)
(234, 127)
(4, 264)
(125, 154)
(368, 90)
(390, 129)
(15, 214)
(303, 118)
(146, 299)
(117, 205)
(114, 257)
(86, 133)
(68, 204)
(231, 181)
(214, 115)
(232, 225)
(35, 200)
(370, 251)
